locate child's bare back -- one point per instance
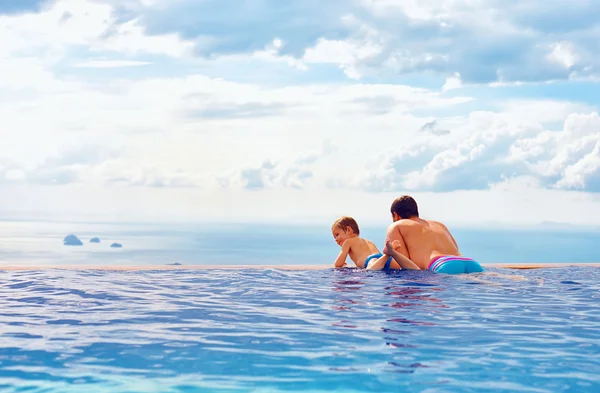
(359, 250)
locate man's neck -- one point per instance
(416, 219)
(413, 218)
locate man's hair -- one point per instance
(405, 207)
(345, 222)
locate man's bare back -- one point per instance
(422, 240)
(418, 244)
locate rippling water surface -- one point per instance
(275, 330)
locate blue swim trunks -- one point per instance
(454, 265)
(377, 256)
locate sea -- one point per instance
(41, 243)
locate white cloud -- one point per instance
(151, 177)
(62, 23)
(193, 127)
(344, 53)
(544, 111)
(414, 9)
(483, 41)
(563, 54)
(110, 64)
(72, 133)
(291, 173)
(483, 155)
(66, 23)
(268, 175)
(576, 162)
(270, 53)
(130, 38)
(584, 173)
(14, 175)
(452, 82)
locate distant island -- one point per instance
(72, 240)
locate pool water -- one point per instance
(256, 330)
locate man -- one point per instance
(418, 244)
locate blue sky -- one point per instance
(300, 110)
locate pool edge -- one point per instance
(521, 266)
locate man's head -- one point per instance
(404, 207)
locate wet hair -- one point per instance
(345, 222)
(405, 207)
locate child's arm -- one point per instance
(341, 259)
(403, 261)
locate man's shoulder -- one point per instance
(437, 223)
(405, 222)
(403, 226)
(439, 227)
(410, 224)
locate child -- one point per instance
(362, 251)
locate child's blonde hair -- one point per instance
(344, 222)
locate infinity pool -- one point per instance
(256, 330)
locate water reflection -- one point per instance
(409, 305)
(420, 296)
(347, 285)
(347, 290)
(406, 368)
(393, 309)
(313, 331)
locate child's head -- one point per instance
(344, 228)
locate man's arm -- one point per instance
(398, 251)
(393, 234)
(403, 261)
(341, 259)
